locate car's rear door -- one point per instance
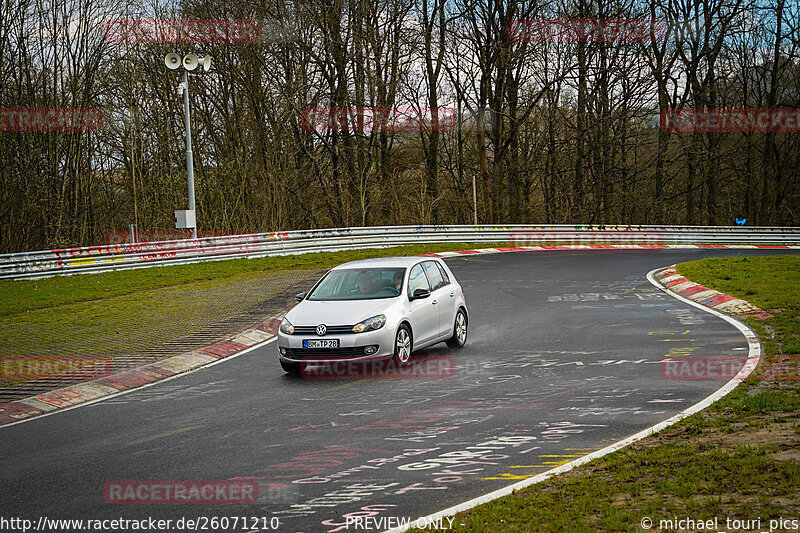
(440, 292)
(452, 294)
(424, 312)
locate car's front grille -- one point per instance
(300, 353)
(330, 330)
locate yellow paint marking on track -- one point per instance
(509, 476)
(160, 435)
(565, 455)
(548, 464)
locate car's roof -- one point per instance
(384, 262)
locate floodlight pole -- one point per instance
(189, 157)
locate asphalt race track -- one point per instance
(562, 359)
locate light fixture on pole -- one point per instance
(187, 219)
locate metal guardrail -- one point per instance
(92, 259)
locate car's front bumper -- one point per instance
(352, 347)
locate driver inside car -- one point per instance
(365, 284)
(398, 281)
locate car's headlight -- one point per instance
(286, 327)
(370, 324)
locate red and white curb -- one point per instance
(556, 248)
(695, 292)
(657, 277)
(92, 391)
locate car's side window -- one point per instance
(434, 275)
(417, 279)
(445, 277)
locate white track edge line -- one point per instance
(753, 357)
(120, 393)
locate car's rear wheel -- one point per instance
(291, 368)
(459, 338)
(402, 345)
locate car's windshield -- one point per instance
(360, 284)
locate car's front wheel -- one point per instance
(459, 338)
(402, 345)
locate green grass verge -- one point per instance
(27, 295)
(737, 459)
(128, 324)
(771, 283)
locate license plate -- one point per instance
(316, 343)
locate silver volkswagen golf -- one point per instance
(374, 309)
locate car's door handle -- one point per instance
(452, 295)
(434, 302)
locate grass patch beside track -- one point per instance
(739, 459)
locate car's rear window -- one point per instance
(360, 284)
(434, 275)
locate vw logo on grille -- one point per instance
(321, 329)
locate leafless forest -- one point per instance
(549, 131)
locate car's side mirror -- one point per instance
(420, 293)
(300, 297)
